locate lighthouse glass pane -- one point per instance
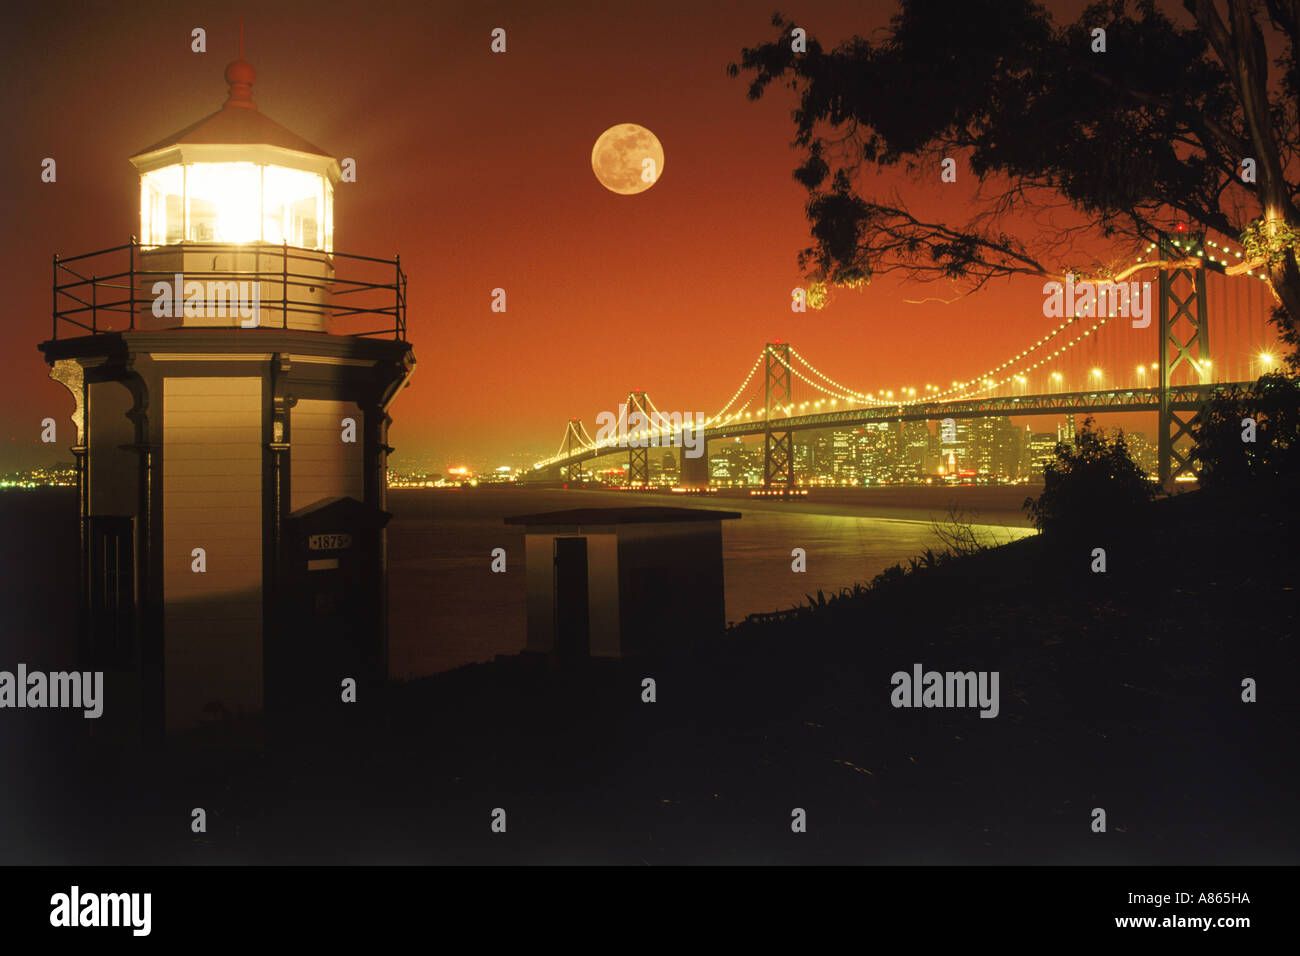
(293, 207)
(223, 202)
(162, 210)
(329, 214)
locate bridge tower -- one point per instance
(1184, 340)
(778, 444)
(573, 433)
(638, 452)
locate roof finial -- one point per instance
(240, 75)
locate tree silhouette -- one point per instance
(1233, 457)
(1092, 486)
(1147, 134)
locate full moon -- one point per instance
(627, 159)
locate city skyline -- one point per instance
(982, 449)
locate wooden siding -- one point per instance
(212, 499)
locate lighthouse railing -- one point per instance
(115, 290)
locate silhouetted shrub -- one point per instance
(1223, 456)
(1094, 484)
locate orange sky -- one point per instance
(475, 167)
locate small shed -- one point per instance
(609, 582)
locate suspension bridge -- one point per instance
(1097, 363)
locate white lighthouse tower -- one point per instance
(232, 376)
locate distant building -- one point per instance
(1042, 449)
(877, 452)
(823, 460)
(1066, 431)
(915, 458)
(803, 467)
(955, 447)
(668, 466)
(733, 464)
(843, 454)
(983, 441)
(1006, 448)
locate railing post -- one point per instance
(94, 315)
(284, 287)
(131, 280)
(54, 299)
(397, 297)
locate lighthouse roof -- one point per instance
(232, 126)
(239, 130)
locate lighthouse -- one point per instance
(232, 375)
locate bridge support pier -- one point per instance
(638, 467)
(695, 471)
(571, 472)
(638, 440)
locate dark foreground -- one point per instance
(1119, 690)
